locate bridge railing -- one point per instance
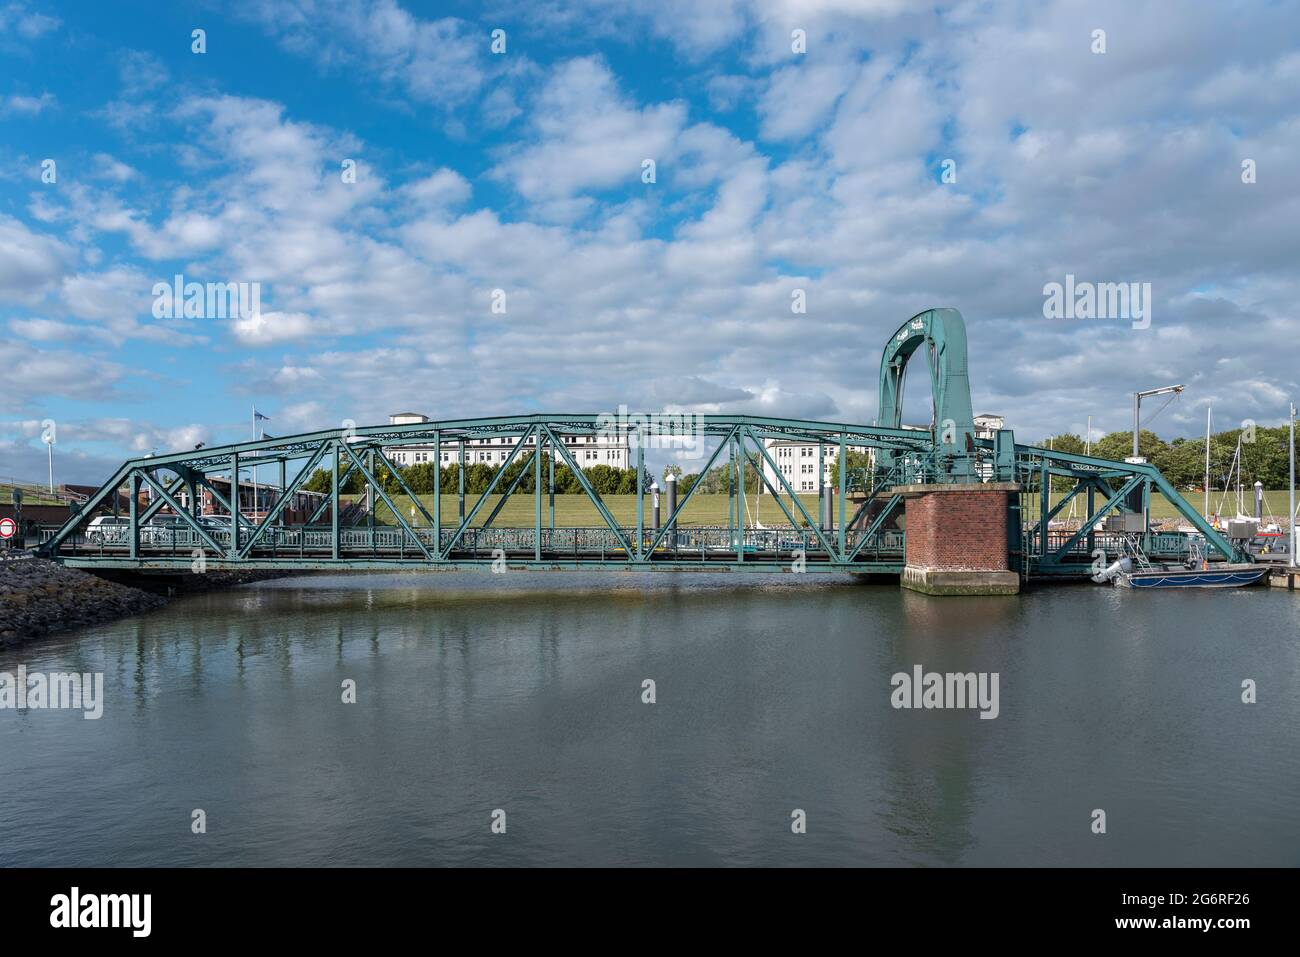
(1162, 544)
(558, 543)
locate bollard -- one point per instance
(671, 479)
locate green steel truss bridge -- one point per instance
(859, 525)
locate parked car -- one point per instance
(215, 523)
(106, 528)
(163, 530)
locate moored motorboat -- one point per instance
(1234, 575)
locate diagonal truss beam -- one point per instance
(465, 523)
(189, 519)
(111, 487)
(672, 519)
(876, 523)
(177, 484)
(816, 526)
(592, 494)
(223, 501)
(501, 502)
(365, 472)
(776, 495)
(1085, 527)
(303, 475)
(325, 502)
(395, 473)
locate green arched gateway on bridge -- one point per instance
(943, 332)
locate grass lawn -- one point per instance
(571, 510)
(577, 510)
(1275, 503)
(29, 497)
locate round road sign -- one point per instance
(8, 528)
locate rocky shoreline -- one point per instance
(40, 598)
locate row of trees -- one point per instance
(423, 477)
(1264, 455)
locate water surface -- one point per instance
(523, 692)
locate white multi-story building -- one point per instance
(987, 425)
(587, 450)
(797, 462)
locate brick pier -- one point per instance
(957, 539)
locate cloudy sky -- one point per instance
(524, 171)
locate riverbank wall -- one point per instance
(39, 598)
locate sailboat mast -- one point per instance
(1207, 462)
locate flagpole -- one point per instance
(1207, 462)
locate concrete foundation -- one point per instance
(957, 539)
(934, 581)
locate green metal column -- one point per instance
(437, 494)
(1045, 506)
(741, 504)
(370, 498)
(640, 495)
(462, 481)
(821, 485)
(1092, 538)
(134, 505)
(552, 483)
(537, 497)
(844, 485)
(731, 491)
(282, 488)
(1146, 516)
(234, 504)
(334, 503)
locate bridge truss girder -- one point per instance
(262, 539)
(266, 540)
(1121, 486)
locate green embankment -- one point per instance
(577, 510)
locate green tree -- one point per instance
(858, 462)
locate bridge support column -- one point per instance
(957, 539)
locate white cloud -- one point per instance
(30, 263)
(17, 104)
(268, 328)
(26, 22)
(433, 61)
(590, 137)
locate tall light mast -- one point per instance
(1137, 412)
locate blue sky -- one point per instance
(522, 171)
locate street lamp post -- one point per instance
(1137, 410)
